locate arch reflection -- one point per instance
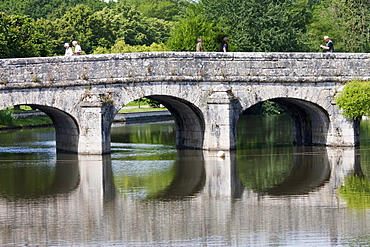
(29, 179)
(189, 178)
(311, 170)
(305, 170)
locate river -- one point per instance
(146, 193)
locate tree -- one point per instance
(20, 36)
(191, 26)
(74, 25)
(49, 9)
(168, 10)
(354, 100)
(261, 25)
(101, 30)
(346, 22)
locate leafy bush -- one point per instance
(122, 47)
(354, 100)
(6, 117)
(265, 108)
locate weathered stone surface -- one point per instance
(205, 93)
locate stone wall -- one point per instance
(183, 66)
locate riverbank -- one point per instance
(121, 118)
(143, 117)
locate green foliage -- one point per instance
(122, 47)
(143, 101)
(139, 25)
(260, 26)
(345, 22)
(6, 117)
(115, 29)
(356, 192)
(50, 9)
(32, 122)
(8, 120)
(20, 36)
(192, 26)
(265, 108)
(168, 10)
(354, 100)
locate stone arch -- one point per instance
(310, 121)
(66, 128)
(189, 121)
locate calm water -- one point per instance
(147, 193)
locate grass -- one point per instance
(128, 110)
(7, 120)
(22, 108)
(28, 122)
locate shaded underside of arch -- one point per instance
(66, 128)
(189, 121)
(310, 121)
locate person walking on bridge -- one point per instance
(199, 47)
(329, 47)
(78, 49)
(69, 51)
(224, 46)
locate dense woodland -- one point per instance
(41, 27)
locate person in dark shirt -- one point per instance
(224, 47)
(329, 47)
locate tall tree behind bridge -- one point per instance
(103, 29)
(20, 36)
(261, 25)
(347, 23)
(193, 25)
(168, 10)
(49, 9)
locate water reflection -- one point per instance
(150, 194)
(311, 170)
(193, 172)
(189, 177)
(90, 203)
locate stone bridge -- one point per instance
(205, 92)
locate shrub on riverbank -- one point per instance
(6, 118)
(354, 99)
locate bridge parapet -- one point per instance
(182, 66)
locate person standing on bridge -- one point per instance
(69, 51)
(199, 45)
(329, 47)
(78, 49)
(224, 47)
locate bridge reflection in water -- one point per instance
(84, 202)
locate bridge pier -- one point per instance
(221, 119)
(95, 124)
(344, 132)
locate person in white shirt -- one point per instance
(78, 49)
(69, 51)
